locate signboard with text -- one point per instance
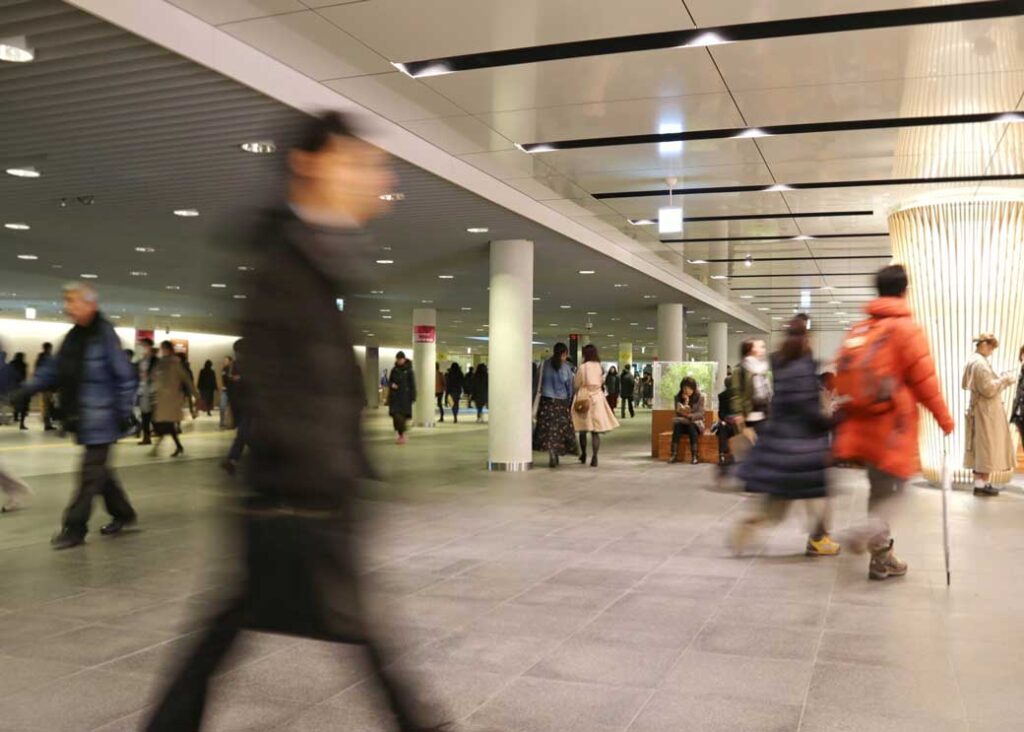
(424, 334)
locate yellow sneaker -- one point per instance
(823, 547)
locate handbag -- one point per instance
(581, 406)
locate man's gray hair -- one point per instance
(86, 291)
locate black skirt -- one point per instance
(554, 427)
(165, 428)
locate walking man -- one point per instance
(305, 461)
(626, 387)
(47, 397)
(96, 386)
(888, 355)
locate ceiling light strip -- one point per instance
(816, 185)
(807, 128)
(797, 259)
(773, 237)
(702, 37)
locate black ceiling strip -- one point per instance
(770, 131)
(700, 37)
(801, 274)
(783, 237)
(833, 287)
(800, 215)
(759, 260)
(783, 187)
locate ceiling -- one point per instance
(125, 132)
(888, 71)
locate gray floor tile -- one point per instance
(88, 646)
(499, 653)
(759, 641)
(85, 700)
(19, 674)
(742, 611)
(300, 673)
(670, 712)
(893, 649)
(612, 659)
(740, 677)
(886, 691)
(824, 719)
(559, 594)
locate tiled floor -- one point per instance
(555, 601)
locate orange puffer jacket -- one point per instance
(888, 441)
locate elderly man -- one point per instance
(96, 385)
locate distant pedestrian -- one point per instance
(883, 372)
(611, 387)
(19, 368)
(627, 384)
(725, 428)
(989, 444)
(554, 433)
(480, 389)
(590, 411)
(225, 404)
(207, 386)
(751, 385)
(171, 384)
(47, 397)
(453, 385)
(789, 460)
(96, 387)
(402, 394)
(467, 386)
(144, 396)
(14, 490)
(1017, 413)
(439, 390)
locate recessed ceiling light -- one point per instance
(172, 287)
(259, 147)
(465, 309)
(17, 226)
(186, 212)
(835, 302)
(30, 313)
(776, 317)
(26, 172)
(238, 297)
(145, 250)
(591, 312)
(386, 317)
(446, 277)
(27, 256)
(392, 196)
(697, 261)
(370, 335)
(586, 271)
(57, 266)
(175, 315)
(650, 327)
(139, 274)
(385, 310)
(88, 276)
(154, 310)
(642, 222)
(426, 302)
(565, 307)
(634, 324)
(536, 299)
(746, 297)
(376, 292)
(764, 310)
(620, 284)
(477, 229)
(552, 325)
(244, 268)
(648, 297)
(218, 285)
(385, 261)
(16, 50)
(719, 277)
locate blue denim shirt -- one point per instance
(556, 384)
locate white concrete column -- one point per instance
(424, 356)
(671, 332)
(625, 354)
(509, 351)
(371, 376)
(718, 350)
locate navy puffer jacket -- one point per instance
(792, 450)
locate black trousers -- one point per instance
(293, 565)
(685, 428)
(399, 421)
(632, 411)
(440, 405)
(97, 479)
(147, 426)
(726, 431)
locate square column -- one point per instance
(510, 351)
(671, 332)
(424, 357)
(371, 377)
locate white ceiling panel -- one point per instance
(310, 44)
(459, 135)
(607, 119)
(667, 73)
(922, 96)
(698, 154)
(396, 96)
(986, 46)
(217, 12)
(647, 179)
(408, 31)
(508, 164)
(550, 187)
(729, 12)
(718, 204)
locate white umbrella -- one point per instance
(947, 486)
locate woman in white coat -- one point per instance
(989, 444)
(590, 410)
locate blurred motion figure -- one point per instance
(305, 462)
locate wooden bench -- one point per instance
(707, 447)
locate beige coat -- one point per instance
(589, 384)
(170, 385)
(989, 444)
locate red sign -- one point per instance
(424, 334)
(140, 334)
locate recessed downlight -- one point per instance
(26, 172)
(586, 271)
(446, 277)
(154, 310)
(175, 315)
(186, 213)
(259, 147)
(16, 50)
(145, 250)
(218, 285)
(88, 276)
(239, 297)
(477, 229)
(385, 261)
(27, 256)
(172, 287)
(392, 197)
(17, 226)
(136, 273)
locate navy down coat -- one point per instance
(792, 450)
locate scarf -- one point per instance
(71, 367)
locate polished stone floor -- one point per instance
(576, 600)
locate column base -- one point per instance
(515, 466)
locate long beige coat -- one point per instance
(989, 444)
(170, 384)
(589, 384)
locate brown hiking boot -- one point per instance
(885, 564)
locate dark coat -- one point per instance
(309, 454)
(1017, 413)
(611, 384)
(453, 383)
(106, 386)
(207, 380)
(479, 389)
(792, 450)
(626, 384)
(402, 391)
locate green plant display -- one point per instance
(668, 374)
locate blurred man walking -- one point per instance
(885, 369)
(305, 461)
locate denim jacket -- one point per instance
(556, 384)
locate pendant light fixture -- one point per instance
(670, 218)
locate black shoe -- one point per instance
(65, 539)
(694, 459)
(988, 490)
(23, 427)
(49, 428)
(553, 459)
(593, 461)
(229, 466)
(179, 451)
(583, 458)
(116, 526)
(674, 458)
(145, 441)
